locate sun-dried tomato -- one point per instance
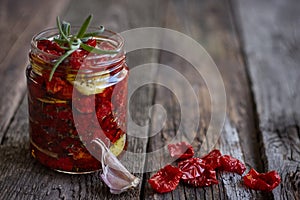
(200, 172)
(181, 150)
(84, 104)
(91, 42)
(66, 92)
(111, 128)
(197, 173)
(231, 164)
(262, 181)
(212, 159)
(50, 47)
(65, 115)
(166, 179)
(77, 58)
(55, 85)
(104, 109)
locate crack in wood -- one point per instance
(238, 30)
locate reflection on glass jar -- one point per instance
(85, 99)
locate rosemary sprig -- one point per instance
(71, 43)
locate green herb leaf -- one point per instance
(61, 32)
(61, 42)
(75, 44)
(71, 43)
(96, 50)
(84, 26)
(66, 28)
(59, 61)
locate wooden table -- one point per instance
(256, 46)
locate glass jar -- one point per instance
(85, 99)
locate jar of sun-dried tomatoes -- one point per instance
(85, 98)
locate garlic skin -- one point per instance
(114, 174)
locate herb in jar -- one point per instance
(71, 43)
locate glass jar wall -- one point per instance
(85, 99)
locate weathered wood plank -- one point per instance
(46, 184)
(31, 19)
(210, 23)
(270, 33)
(14, 18)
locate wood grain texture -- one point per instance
(210, 23)
(271, 36)
(25, 20)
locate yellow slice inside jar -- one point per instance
(51, 100)
(118, 146)
(89, 85)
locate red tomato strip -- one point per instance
(166, 179)
(181, 150)
(200, 172)
(197, 173)
(264, 181)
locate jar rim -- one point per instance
(107, 34)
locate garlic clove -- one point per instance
(114, 174)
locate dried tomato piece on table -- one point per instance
(166, 179)
(197, 173)
(213, 159)
(231, 164)
(262, 181)
(181, 150)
